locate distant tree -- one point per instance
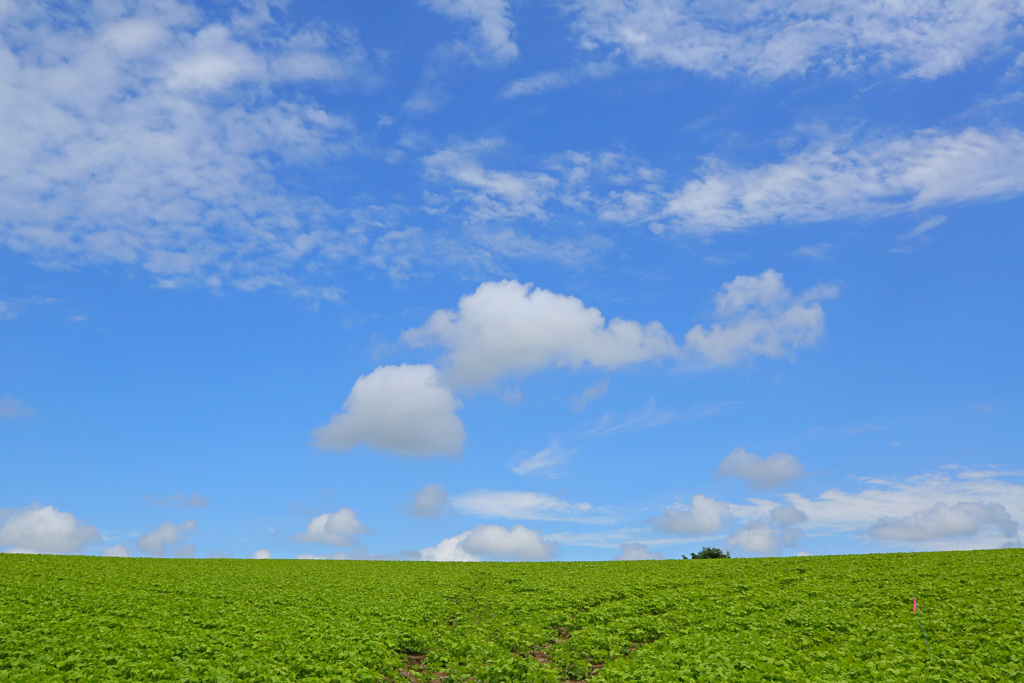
(708, 554)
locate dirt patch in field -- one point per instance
(413, 670)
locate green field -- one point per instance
(836, 618)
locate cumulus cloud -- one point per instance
(704, 516)
(45, 530)
(449, 550)
(637, 551)
(143, 134)
(508, 327)
(769, 40)
(119, 550)
(758, 473)
(875, 499)
(494, 543)
(542, 462)
(261, 554)
(492, 39)
(759, 316)
(334, 528)
(942, 521)
(403, 408)
(430, 501)
(786, 515)
(523, 505)
(310, 556)
(13, 408)
(178, 500)
(835, 178)
(517, 543)
(762, 538)
(168, 536)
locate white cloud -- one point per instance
(493, 194)
(589, 394)
(13, 408)
(759, 316)
(492, 542)
(776, 38)
(119, 550)
(837, 510)
(261, 554)
(555, 80)
(507, 327)
(45, 530)
(185, 550)
(402, 408)
(637, 551)
(449, 550)
(815, 252)
(633, 421)
(538, 83)
(309, 556)
(179, 500)
(924, 227)
(542, 462)
(942, 521)
(493, 33)
(609, 186)
(430, 501)
(704, 516)
(758, 473)
(834, 179)
(143, 134)
(523, 505)
(334, 528)
(786, 515)
(517, 543)
(168, 536)
(759, 537)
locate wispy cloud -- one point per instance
(556, 80)
(636, 420)
(13, 408)
(768, 40)
(542, 462)
(592, 392)
(526, 505)
(923, 228)
(816, 252)
(836, 178)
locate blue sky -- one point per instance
(510, 280)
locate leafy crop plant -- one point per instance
(839, 618)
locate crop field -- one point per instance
(837, 618)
